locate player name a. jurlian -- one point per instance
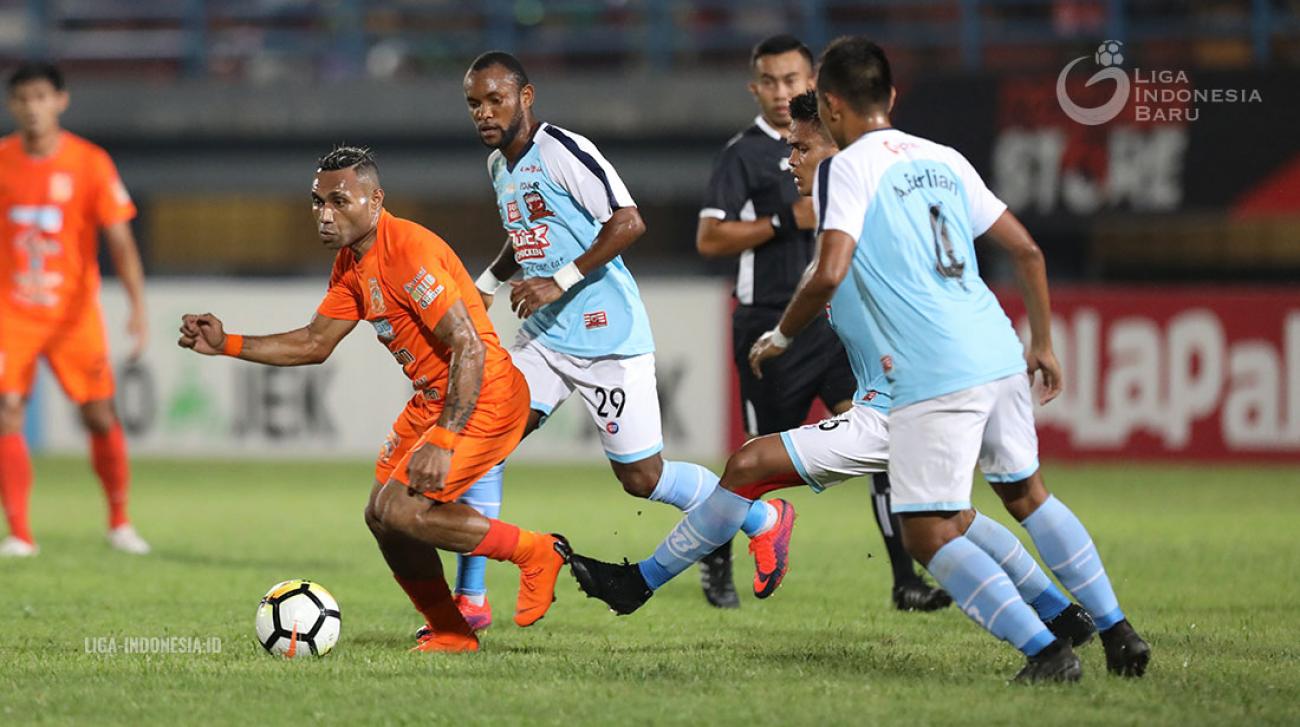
(930, 179)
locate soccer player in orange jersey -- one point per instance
(470, 406)
(57, 192)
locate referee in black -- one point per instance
(754, 212)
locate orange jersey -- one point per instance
(53, 208)
(403, 286)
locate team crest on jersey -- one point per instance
(60, 187)
(423, 288)
(595, 319)
(512, 212)
(377, 306)
(536, 206)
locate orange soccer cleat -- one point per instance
(540, 559)
(771, 550)
(447, 642)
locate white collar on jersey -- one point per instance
(761, 123)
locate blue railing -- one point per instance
(354, 37)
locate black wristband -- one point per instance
(788, 221)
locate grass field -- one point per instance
(1206, 563)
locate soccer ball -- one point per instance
(1109, 54)
(298, 617)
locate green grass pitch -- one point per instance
(1205, 560)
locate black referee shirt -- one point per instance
(752, 180)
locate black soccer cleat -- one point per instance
(1074, 625)
(716, 579)
(1056, 663)
(1126, 653)
(919, 596)
(620, 586)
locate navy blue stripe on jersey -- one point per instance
(587, 160)
(823, 180)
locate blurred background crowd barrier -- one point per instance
(216, 111)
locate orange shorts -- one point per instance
(493, 432)
(75, 348)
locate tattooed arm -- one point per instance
(431, 461)
(465, 379)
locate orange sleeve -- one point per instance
(110, 202)
(428, 288)
(342, 302)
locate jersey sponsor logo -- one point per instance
(34, 243)
(423, 288)
(870, 395)
(431, 394)
(887, 363)
(595, 319)
(530, 169)
(530, 244)
(512, 212)
(900, 147)
(377, 301)
(383, 329)
(60, 187)
(536, 206)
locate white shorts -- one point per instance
(935, 444)
(848, 445)
(620, 393)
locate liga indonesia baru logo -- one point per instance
(1161, 95)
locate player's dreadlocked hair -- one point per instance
(359, 158)
(804, 107)
(856, 70)
(506, 61)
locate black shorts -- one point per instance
(814, 367)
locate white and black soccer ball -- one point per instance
(297, 618)
(1109, 53)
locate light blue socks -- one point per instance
(1033, 584)
(984, 592)
(484, 496)
(1067, 549)
(705, 527)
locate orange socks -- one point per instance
(108, 454)
(503, 541)
(16, 484)
(433, 600)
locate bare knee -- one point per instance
(924, 534)
(98, 416)
(639, 478)
(744, 466)
(374, 513)
(1022, 498)
(12, 407)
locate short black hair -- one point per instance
(503, 59)
(856, 70)
(358, 158)
(804, 107)
(36, 71)
(776, 45)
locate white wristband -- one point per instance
(779, 339)
(488, 283)
(567, 276)
(776, 222)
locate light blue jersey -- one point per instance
(915, 209)
(553, 202)
(847, 313)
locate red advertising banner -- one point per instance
(1173, 372)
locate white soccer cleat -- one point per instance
(12, 547)
(127, 540)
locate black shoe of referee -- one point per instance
(716, 579)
